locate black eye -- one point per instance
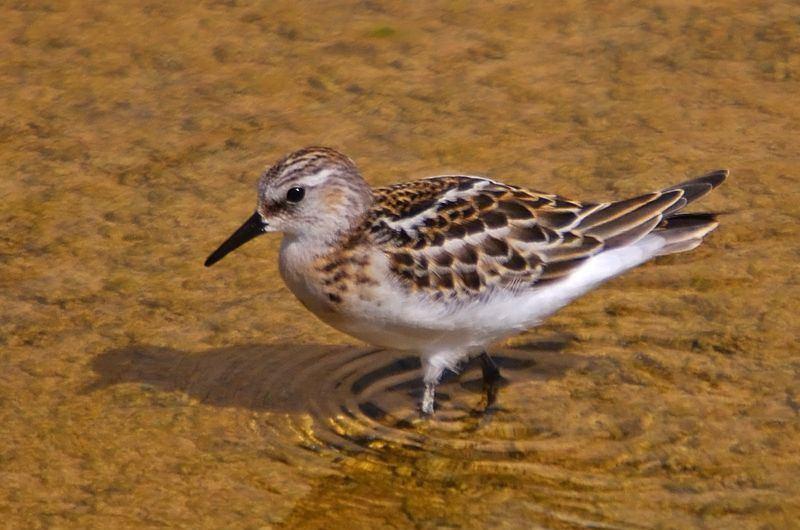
(295, 194)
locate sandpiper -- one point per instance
(445, 266)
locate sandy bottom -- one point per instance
(138, 389)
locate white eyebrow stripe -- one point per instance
(316, 178)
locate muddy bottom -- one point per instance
(139, 389)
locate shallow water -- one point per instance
(139, 389)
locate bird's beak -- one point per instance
(251, 228)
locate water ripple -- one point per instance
(314, 405)
(345, 397)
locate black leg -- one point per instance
(491, 376)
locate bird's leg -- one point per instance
(428, 399)
(432, 371)
(491, 376)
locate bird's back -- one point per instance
(461, 238)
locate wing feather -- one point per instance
(460, 236)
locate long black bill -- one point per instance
(251, 228)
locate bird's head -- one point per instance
(314, 194)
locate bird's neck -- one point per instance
(304, 251)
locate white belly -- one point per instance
(390, 316)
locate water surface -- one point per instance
(138, 389)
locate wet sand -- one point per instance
(138, 389)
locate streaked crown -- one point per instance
(307, 162)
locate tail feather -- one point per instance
(684, 232)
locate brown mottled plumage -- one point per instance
(447, 265)
(510, 237)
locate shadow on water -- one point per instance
(356, 396)
(285, 378)
(252, 376)
(363, 400)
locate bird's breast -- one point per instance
(297, 267)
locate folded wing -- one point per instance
(458, 236)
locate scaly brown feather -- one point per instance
(458, 236)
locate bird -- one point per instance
(446, 266)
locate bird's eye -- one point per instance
(295, 194)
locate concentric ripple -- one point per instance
(313, 405)
(364, 402)
(360, 398)
(349, 397)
